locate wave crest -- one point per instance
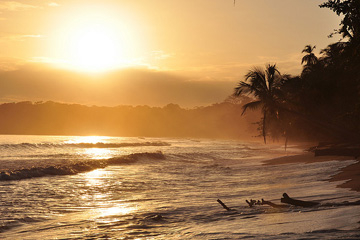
(75, 168)
(119, 145)
(83, 145)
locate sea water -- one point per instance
(55, 187)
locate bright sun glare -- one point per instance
(94, 48)
(96, 40)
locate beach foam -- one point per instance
(78, 167)
(82, 145)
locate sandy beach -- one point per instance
(350, 174)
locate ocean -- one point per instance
(70, 187)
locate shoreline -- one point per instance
(350, 174)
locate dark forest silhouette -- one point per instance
(323, 102)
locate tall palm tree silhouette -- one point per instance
(309, 58)
(264, 85)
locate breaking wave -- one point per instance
(78, 167)
(83, 145)
(119, 145)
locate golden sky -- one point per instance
(113, 52)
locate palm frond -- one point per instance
(257, 78)
(305, 59)
(272, 69)
(243, 87)
(252, 105)
(308, 49)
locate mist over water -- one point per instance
(164, 188)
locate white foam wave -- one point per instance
(74, 168)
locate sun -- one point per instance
(94, 48)
(95, 39)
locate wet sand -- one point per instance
(350, 174)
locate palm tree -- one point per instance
(334, 55)
(264, 85)
(268, 89)
(310, 58)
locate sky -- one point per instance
(150, 52)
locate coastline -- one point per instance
(350, 174)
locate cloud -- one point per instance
(53, 4)
(32, 36)
(35, 82)
(20, 37)
(15, 6)
(160, 55)
(10, 64)
(153, 60)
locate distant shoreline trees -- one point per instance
(222, 120)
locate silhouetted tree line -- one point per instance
(222, 120)
(323, 102)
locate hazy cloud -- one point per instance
(129, 87)
(53, 4)
(15, 6)
(160, 55)
(19, 37)
(289, 64)
(10, 64)
(32, 36)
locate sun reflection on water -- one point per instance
(99, 197)
(88, 139)
(122, 209)
(98, 153)
(92, 151)
(95, 174)
(96, 177)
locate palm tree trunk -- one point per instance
(263, 126)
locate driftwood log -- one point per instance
(223, 205)
(300, 203)
(291, 201)
(273, 204)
